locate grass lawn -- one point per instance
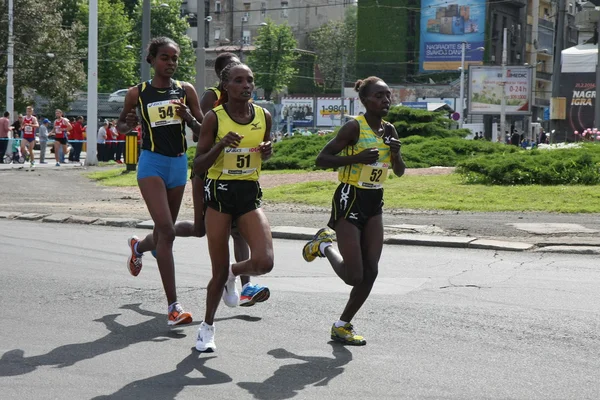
(433, 192)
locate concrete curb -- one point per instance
(554, 245)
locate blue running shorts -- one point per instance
(172, 170)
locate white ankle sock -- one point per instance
(137, 253)
(340, 323)
(323, 246)
(172, 306)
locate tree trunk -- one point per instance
(268, 93)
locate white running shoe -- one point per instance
(206, 338)
(231, 296)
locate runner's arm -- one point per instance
(131, 98)
(266, 147)
(195, 113)
(346, 136)
(391, 139)
(208, 100)
(207, 150)
(69, 126)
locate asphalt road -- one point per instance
(441, 324)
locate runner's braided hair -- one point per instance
(362, 86)
(156, 44)
(225, 78)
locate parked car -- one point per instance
(116, 99)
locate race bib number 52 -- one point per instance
(241, 160)
(372, 176)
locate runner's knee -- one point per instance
(263, 264)
(165, 232)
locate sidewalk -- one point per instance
(557, 245)
(65, 195)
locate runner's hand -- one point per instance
(368, 156)
(394, 144)
(132, 119)
(266, 149)
(232, 139)
(183, 111)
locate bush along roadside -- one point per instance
(579, 166)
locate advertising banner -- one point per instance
(330, 111)
(486, 87)
(444, 26)
(579, 89)
(299, 108)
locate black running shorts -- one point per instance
(232, 197)
(355, 205)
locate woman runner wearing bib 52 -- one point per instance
(363, 151)
(162, 169)
(234, 139)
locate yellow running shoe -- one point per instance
(311, 249)
(346, 335)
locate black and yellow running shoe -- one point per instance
(346, 335)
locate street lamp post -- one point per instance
(144, 66)
(503, 97)
(461, 108)
(462, 85)
(242, 41)
(10, 63)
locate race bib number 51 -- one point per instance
(372, 176)
(163, 113)
(241, 160)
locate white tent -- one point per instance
(580, 58)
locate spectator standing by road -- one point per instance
(102, 141)
(43, 134)
(76, 138)
(5, 128)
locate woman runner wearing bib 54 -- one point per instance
(162, 169)
(234, 139)
(363, 151)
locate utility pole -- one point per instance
(242, 41)
(462, 85)
(200, 54)
(10, 64)
(503, 97)
(92, 77)
(558, 48)
(533, 62)
(343, 86)
(144, 66)
(596, 100)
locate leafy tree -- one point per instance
(117, 64)
(46, 63)
(333, 41)
(167, 21)
(273, 60)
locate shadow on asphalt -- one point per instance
(120, 336)
(289, 380)
(168, 385)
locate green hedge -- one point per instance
(576, 166)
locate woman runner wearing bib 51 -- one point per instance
(363, 151)
(234, 139)
(162, 168)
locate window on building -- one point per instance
(263, 8)
(217, 34)
(284, 9)
(246, 37)
(217, 6)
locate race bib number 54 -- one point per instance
(162, 113)
(241, 160)
(372, 176)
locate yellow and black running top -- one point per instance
(240, 163)
(163, 131)
(364, 176)
(216, 90)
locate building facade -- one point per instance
(232, 25)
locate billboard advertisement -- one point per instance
(299, 108)
(580, 91)
(329, 111)
(486, 88)
(444, 26)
